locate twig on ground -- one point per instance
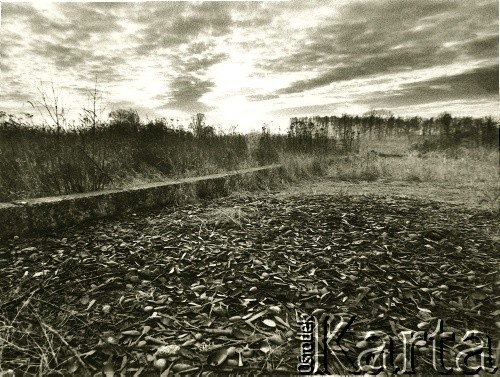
(61, 338)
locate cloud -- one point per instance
(25, 13)
(73, 22)
(202, 63)
(371, 38)
(482, 47)
(71, 37)
(262, 58)
(262, 97)
(481, 83)
(209, 17)
(170, 24)
(185, 37)
(4, 67)
(186, 92)
(104, 69)
(310, 110)
(64, 57)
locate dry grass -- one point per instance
(459, 166)
(393, 145)
(226, 215)
(37, 162)
(300, 166)
(470, 169)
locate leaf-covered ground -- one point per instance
(218, 286)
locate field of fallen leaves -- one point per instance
(216, 287)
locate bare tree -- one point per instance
(124, 116)
(92, 114)
(52, 105)
(381, 113)
(197, 123)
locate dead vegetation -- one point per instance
(394, 160)
(216, 287)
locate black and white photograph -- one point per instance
(249, 188)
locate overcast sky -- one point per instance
(245, 63)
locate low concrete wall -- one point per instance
(40, 214)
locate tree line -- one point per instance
(445, 128)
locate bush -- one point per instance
(38, 161)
